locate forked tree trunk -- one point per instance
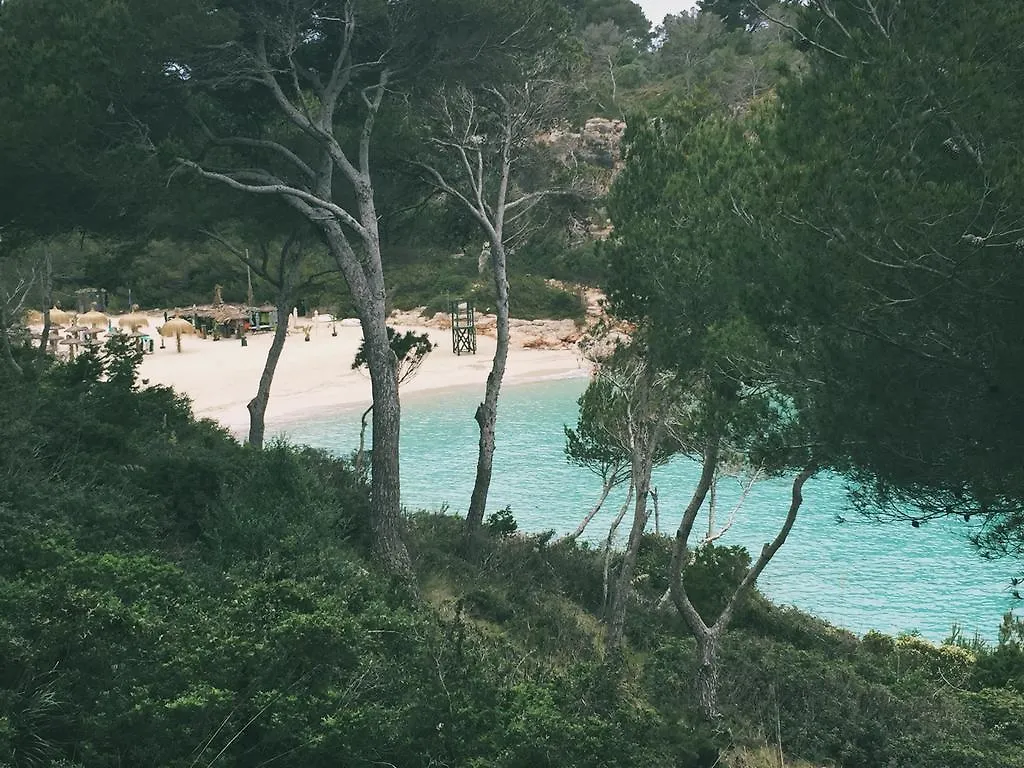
(706, 680)
(487, 412)
(257, 407)
(709, 634)
(326, 166)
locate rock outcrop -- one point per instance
(598, 144)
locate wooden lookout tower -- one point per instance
(463, 327)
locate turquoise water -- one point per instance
(856, 574)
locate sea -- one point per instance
(853, 572)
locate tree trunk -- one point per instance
(482, 260)
(5, 341)
(44, 338)
(706, 679)
(487, 411)
(385, 488)
(608, 542)
(365, 278)
(258, 405)
(709, 636)
(657, 512)
(606, 488)
(362, 441)
(642, 467)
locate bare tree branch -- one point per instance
(269, 185)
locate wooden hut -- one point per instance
(262, 318)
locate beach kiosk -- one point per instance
(262, 318)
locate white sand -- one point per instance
(221, 376)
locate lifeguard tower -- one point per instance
(463, 327)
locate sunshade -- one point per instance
(134, 321)
(177, 327)
(94, 319)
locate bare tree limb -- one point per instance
(269, 185)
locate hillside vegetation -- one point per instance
(169, 597)
(806, 220)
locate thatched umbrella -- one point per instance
(94, 319)
(72, 344)
(134, 321)
(176, 327)
(59, 316)
(32, 317)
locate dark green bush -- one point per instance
(169, 597)
(501, 523)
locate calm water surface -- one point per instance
(856, 574)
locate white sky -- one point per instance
(657, 10)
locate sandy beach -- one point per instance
(220, 377)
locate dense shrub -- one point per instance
(169, 597)
(436, 281)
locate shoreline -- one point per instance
(292, 417)
(316, 377)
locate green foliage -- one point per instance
(410, 350)
(551, 257)
(1003, 666)
(167, 593)
(532, 297)
(711, 577)
(735, 14)
(79, 77)
(900, 189)
(160, 579)
(834, 698)
(592, 443)
(882, 701)
(624, 14)
(169, 597)
(434, 281)
(501, 523)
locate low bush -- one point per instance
(170, 597)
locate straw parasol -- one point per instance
(72, 344)
(59, 316)
(93, 318)
(176, 327)
(133, 321)
(32, 317)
